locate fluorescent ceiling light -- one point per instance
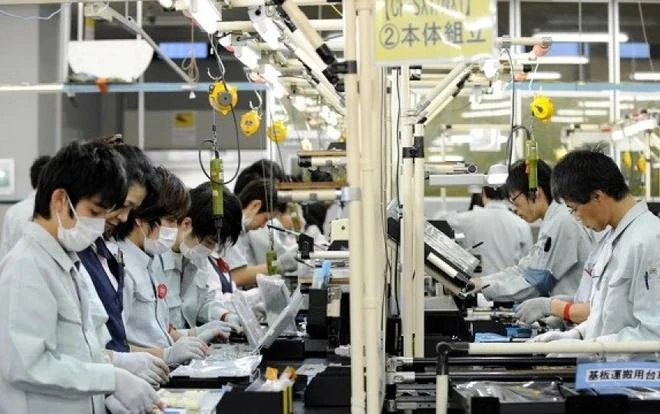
(486, 114)
(639, 127)
(552, 60)
(568, 119)
(543, 76)
(586, 37)
(205, 14)
(445, 158)
(641, 98)
(582, 112)
(646, 76)
(602, 104)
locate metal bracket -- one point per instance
(347, 66)
(399, 377)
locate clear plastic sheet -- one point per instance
(275, 295)
(531, 391)
(209, 368)
(640, 393)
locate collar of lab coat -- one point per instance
(553, 209)
(497, 204)
(172, 261)
(66, 260)
(130, 249)
(637, 210)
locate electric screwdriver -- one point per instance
(532, 164)
(217, 184)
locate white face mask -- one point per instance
(165, 241)
(246, 223)
(82, 234)
(198, 254)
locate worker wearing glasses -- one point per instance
(554, 264)
(626, 266)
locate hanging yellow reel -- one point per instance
(641, 165)
(222, 98)
(542, 108)
(250, 122)
(626, 159)
(277, 132)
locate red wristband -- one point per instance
(567, 311)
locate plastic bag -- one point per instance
(531, 391)
(275, 295)
(205, 368)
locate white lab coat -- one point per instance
(626, 281)
(13, 224)
(190, 299)
(146, 316)
(505, 237)
(51, 360)
(257, 243)
(553, 267)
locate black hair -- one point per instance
(518, 178)
(580, 173)
(476, 201)
(201, 214)
(138, 166)
(262, 190)
(167, 197)
(493, 193)
(36, 168)
(83, 170)
(259, 169)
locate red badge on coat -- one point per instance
(161, 290)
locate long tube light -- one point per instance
(486, 114)
(646, 76)
(553, 60)
(582, 112)
(585, 37)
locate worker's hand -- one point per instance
(113, 405)
(134, 392)
(212, 330)
(550, 336)
(185, 349)
(532, 310)
(287, 261)
(472, 287)
(234, 321)
(146, 366)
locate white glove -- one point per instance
(113, 405)
(146, 366)
(550, 336)
(234, 321)
(532, 310)
(287, 261)
(185, 349)
(213, 329)
(135, 393)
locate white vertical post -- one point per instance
(62, 72)
(356, 242)
(418, 246)
(370, 202)
(141, 103)
(407, 226)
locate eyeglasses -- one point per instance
(513, 200)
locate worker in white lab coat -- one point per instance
(149, 231)
(493, 233)
(626, 273)
(191, 301)
(554, 264)
(18, 215)
(52, 360)
(257, 208)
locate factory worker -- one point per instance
(501, 238)
(149, 231)
(257, 208)
(258, 241)
(52, 361)
(105, 273)
(626, 273)
(18, 215)
(186, 265)
(554, 264)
